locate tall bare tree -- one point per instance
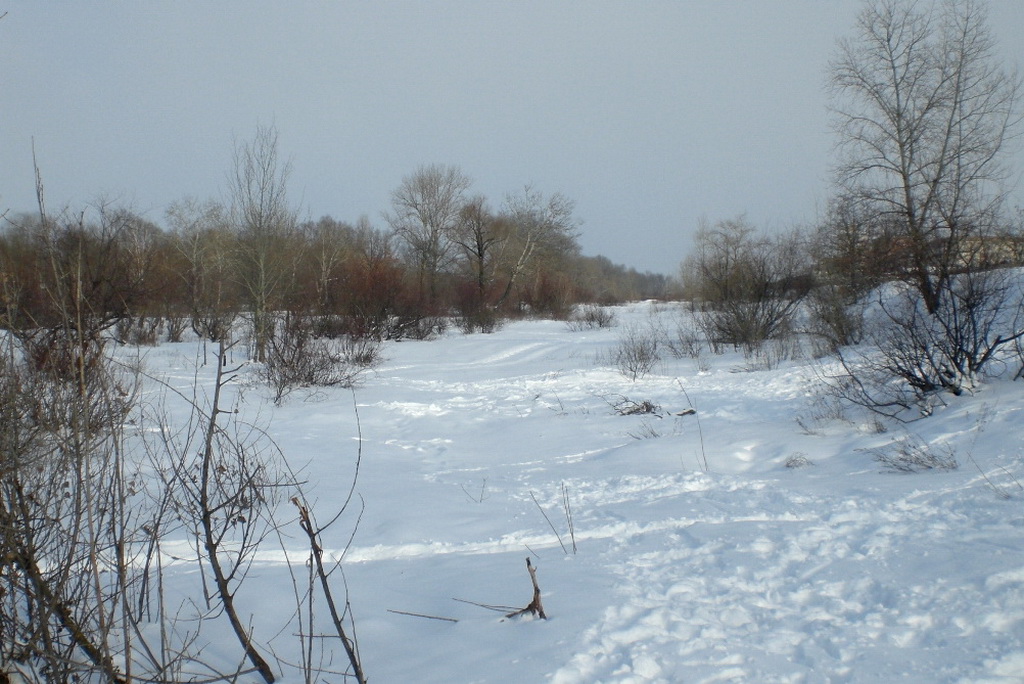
(328, 243)
(541, 226)
(924, 114)
(424, 214)
(265, 220)
(479, 235)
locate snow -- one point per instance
(748, 570)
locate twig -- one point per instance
(497, 609)
(476, 499)
(700, 431)
(421, 615)
(1000, 491)
(1012, 477)
(550, 524)
(567, 509)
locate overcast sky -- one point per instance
(650, 115)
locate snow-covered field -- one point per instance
(746, 570)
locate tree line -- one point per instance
(442, 254)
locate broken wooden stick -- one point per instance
(535, 607)
(488, 606)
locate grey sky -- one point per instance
(650, 115)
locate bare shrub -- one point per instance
(685, 340)
(569, 520)
(911, 455)
(341, 619)
(834, 320)
(222, 479)
(415, 327)
(69, 530)
(744, 323)
(746, 287)
(360, 353)
(589, 317)
(62, 353)
(823, 408)
(636, 353)
(175, 327)
(478, 318)
(645, 431)
(296, 359)
(798, 460)
(769, 354)
(628, 407)
(916, 356)
(68, 527)
(139, 331)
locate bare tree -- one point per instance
(425, 212)
(259, 191)
(201, 236)
(137, 245)
(925, 116)
(924, 113)
(478, 235)
(540, 227)
(328, 244)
